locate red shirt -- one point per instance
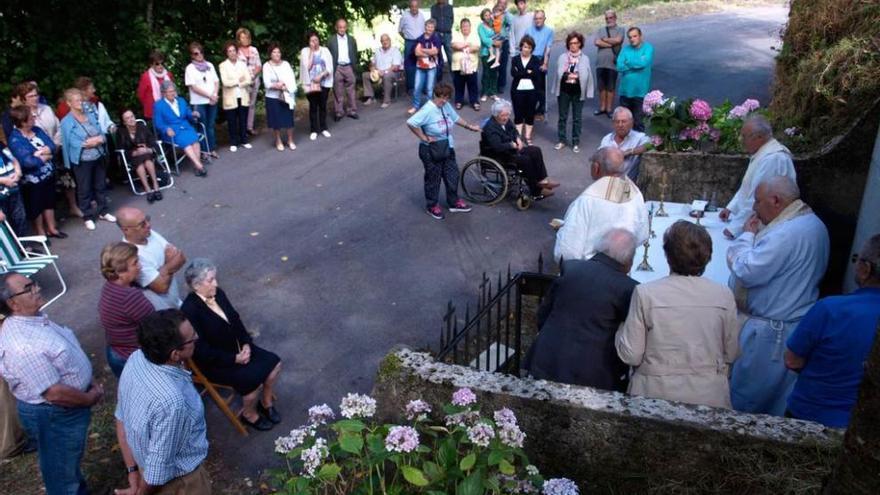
(121, 310)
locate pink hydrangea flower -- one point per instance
(402, 439)
(751, 104)
(463, 397)
(651, 100)
(656, 141)
(481, 434)
(701, 110)
(319, 415)
(560, 486)
(791, 131)
(505, 416)
(738, 112)
(416, 408)
(511, 435)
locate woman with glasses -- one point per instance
(204, 91)
(122, 305)
(149, 89)
(572, 83)
(225, 351)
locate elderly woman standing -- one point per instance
(316, 70)
(433, 125)
(11, 205)
(572, 83)
(465, 62)
(681, 333)
(225, 351)
(248, 54)
(122, 305)
(503, 143)
(84, 152)
(137, 143)
(171, 116)
(204, 90)
(428, 64)
(280, 82)
(236, 80)
(489, 84)
(149, 87)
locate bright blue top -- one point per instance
(164, 118)
(834, 338)
(634, 66)
(543, 39)
(430, 119)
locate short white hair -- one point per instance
(622, 111)
(782, 186)
(619, 245)
(759, 126)
(501, 105)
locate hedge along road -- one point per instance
(327, 254)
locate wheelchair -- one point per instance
(485, 181)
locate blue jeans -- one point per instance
(425, 79)
(60, 436)
(209, 118)
(115, 361)
(503, 71)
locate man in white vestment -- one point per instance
(611, 202)
(769, 158)
(775, 275)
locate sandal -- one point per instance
(476, 107)
(458, 106)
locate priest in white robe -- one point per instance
(775, 275)
(611, 202)
(769, 158)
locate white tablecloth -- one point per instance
(716, 271)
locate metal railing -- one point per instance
(492, 338)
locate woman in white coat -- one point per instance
(280, 83)
(235, 77)
(316, 70)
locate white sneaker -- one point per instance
(576, 149)
(326, 134)
(313, 136)
(233, 148)
(90, 225)
(107, 217)
(247, 146)
(291, 146)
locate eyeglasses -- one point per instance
(29, 288)
(190, 341)
(195, 53)
(158, 64)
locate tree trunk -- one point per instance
(859, 463)
(150, 14)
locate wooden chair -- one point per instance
(222, 401)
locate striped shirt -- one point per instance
(36, 353)
(164, 419)
(120, 310)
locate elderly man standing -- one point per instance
(612, 201)
(444, 14)
(830, 346)
(411, 28)
(775, 274)
(387, 63)
(631, 142)
(160, 418)
(769, 158)
(344, 50)
(543, 36)
(159, 259)
(634, 64)
(580, 316)
(51, 378)
(609, 41)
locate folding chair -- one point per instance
(180, 156)
(222, 401)
(163, 171)
(15, 258)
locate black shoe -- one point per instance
(337, 118)
(201, 173)
(608, 114)
(269, 413)
(158, 195)
(354, 116)
(598, 112)
(57, 235)
(151, 197)
(261, 423)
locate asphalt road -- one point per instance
(327, 253)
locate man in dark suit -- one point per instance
(580, 316)
(344, 50)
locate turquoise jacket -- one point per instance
(634, 66)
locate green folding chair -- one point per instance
(15, 258)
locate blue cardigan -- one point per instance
(164, 118)
(33, 169)
(73, 136)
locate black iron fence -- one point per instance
(491, 338)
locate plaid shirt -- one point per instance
(164, 419)
(36, 353)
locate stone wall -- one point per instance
(832, 182)
(612, 443)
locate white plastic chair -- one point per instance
(180, 156)
(163, 172)
(15, 258)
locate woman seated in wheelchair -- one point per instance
(137, 141)
(171, 116)
(501, 142)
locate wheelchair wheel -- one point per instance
(524, 202)
(484, 181)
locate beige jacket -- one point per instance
(12, 438)
(230, 80)
(680, 336)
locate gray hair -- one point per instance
(431, 22)
(610, 161)
(166, 85)
(870, 253)
(759, 126)
(782, 186)
(501, 105)
(622, 110)
(197, 271)
(619, 245)
(5, 293)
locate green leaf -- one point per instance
(468, 462)
(432, 471)
(414, 476)
(506, 467)
(495, 456)
(352, 443)
(472, 485)
(329, 471)
(448, 453)
(349, 425)
(375, 443)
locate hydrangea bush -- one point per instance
(694, 124)
(468, 454)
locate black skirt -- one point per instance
(38, 198)
(278, 114)
(245, 378)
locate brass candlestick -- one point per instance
(644, 266)
(661, 212)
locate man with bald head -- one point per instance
(631, 142)
(768, 159)
(580, 315)
(159, 259)
(776, 265)
(611, 202)
(384, 67)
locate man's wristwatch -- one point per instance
(131, 469)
